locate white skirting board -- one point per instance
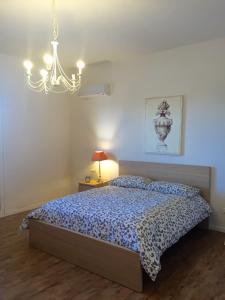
(21, 209)
(217, 228)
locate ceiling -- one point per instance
(110, 30)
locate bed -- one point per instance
(118, 258)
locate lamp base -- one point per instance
(99, 180)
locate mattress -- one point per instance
(144, 221)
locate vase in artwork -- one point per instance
(162, 125)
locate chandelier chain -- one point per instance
(55, 25)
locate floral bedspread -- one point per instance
(143, 221)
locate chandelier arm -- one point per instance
(69, 87)
(78, 84)
(35, 85)
(70, 84)
(51, 74)
(40, 87)
(75, 85)
(40, 81)
(36, 88)
(61, 69)
(62, 72)
(56, 65)
(60, 92)
(66, 82)
(52, 89)
(47, 89)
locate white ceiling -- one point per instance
(98, 30)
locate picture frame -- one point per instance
(163, 125)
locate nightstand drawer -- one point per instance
(84, 186)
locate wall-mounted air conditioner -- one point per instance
(94, 90)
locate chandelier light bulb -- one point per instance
(48, 59)
(28, 65)
(80, 65)
(44, 73)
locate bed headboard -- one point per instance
(199, 176)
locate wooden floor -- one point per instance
(192, 269)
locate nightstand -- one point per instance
(84, 186)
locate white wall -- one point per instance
(1, 159)
(36, 138)
(116, 123)
(37, 132)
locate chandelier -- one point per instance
(53, 78)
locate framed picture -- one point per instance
(163, 124)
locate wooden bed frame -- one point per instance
(116, 263)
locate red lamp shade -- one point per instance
(99, 155)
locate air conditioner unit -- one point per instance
(94, 90)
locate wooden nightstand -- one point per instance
(84, 186)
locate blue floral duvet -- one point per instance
(144, 221)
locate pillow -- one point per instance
(178, 189)
(131, 181)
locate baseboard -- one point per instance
(217, 228)
(22, 209)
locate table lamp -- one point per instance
(99, 156)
